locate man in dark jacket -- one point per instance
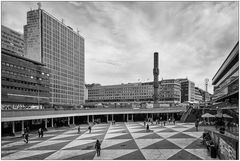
(98, 147)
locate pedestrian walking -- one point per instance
(147, 129)
(164, 122)
(144, 123)
(174, 121)
(26, 137)
(98, 147)
(196, 124)
(78, 129)
(39, 132)
(89, 128)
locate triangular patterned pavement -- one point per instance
(142, 143)
(164, 144)
(112, 154)
(151, 136)
(201, 153)
(159, 154)
(75, 143)
(184, 155)
(181, 135)
(108, 143)
(136, 155)
(169, 130)
(196, 145)
(67, 154)
(125, 145)
(182, 142)
(25, 154)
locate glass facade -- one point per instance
(62, 51)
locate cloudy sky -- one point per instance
(192, 38)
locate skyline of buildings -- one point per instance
(115, 47)
(55, 44)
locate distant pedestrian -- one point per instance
(26, 137)
(39, 132)
(98, 147)
(164, 122)
(78, 129)
(144, 123)
(174, 121)
(196, 124)
(147, 129)
(89, 128)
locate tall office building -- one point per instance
(187, 90)
(56, 45)
(12, 41)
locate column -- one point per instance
(13, 128)
(88, 118)
(107, 118)
(52, 123)
(45, 123)
(73, 120)
(132, 117)
(127, 117)
(167, 116)
(123, 117)
(152, 116)
(22, 126)
(92, 118)
(68, 121)
(147, 115)
(112, 117)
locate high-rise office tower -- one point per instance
(51, 42)
(12, 41)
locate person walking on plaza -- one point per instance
(164, 122)
(39, 132)
(26, 137)
(98, 147)
(78, 129)
(174, 121)
(144, 123)
(89, 128)
(196, 124)
(147, 129)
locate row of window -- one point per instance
(24, 89)
(23, 68)
(24, 82)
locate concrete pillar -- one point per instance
(52, 122)
(73, 120)
(127, 117)
(123, 117)
(68, 121)
(172, 115)
(45, 123)
(92, 118)
(147, 115)
(13, 128)
(167, 116)
(107, 118)
(112, 117)
(23, 126)
(132, 117)
(152, 115)
(88, 118)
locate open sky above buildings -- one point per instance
(192, 38)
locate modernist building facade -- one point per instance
(12, 41)
(25, 83)
(226, 80)
(169, 92)
(51, 42)
(187, 90)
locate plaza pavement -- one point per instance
(122, 141)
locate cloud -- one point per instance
(192, 38)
